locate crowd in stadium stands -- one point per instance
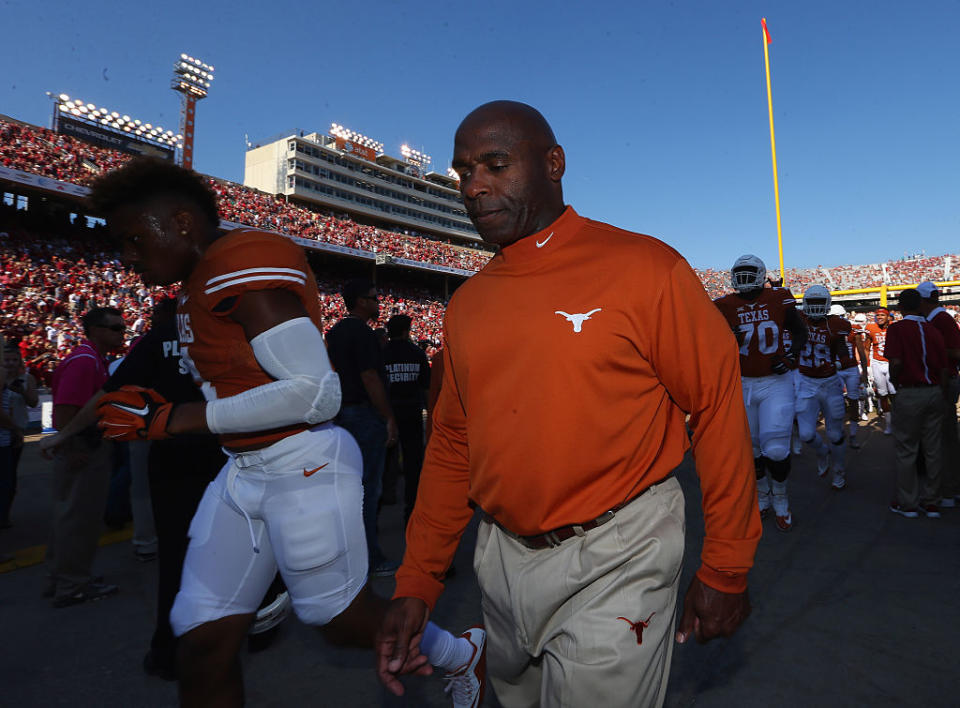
(50, 154)
(48, 278)
(52, 271)
(248, 206)
(61, 157)
(847, 277)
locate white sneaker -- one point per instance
(466, 683)
(823, 464)
(839, 481)
(948, 503)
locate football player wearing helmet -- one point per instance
(290, 494)
(820, 388)
(852, 369)
(868, 395)
(879, 365)
(758, 316)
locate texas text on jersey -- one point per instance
(758, 324)
(826, 338)
(877, 336)
(215, 347)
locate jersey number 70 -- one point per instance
(767, 333)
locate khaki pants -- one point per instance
(565, 624)
(950, 460)
(79, 500)
(918, 416)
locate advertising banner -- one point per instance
(352, 148)
(102, 137)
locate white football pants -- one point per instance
(769, 401)
(295, 506)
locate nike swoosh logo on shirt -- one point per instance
(130, 409)
(307, 474)
(541, 244)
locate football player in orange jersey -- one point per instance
(820, 387)
(290, 494)
(758, 315)
(853, 371)
(879, 366)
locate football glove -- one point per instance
(134, 413)
(783, 364)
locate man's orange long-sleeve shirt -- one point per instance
(570, 362)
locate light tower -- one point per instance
(420, 160)
(191, 78)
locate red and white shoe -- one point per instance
(765, 503)
(466, 683)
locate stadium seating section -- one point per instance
(61, 157)
(52, 272)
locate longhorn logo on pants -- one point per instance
(577, 319)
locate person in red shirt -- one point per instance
(947, 326)
(82, 468)
(876, 335)
(918, 368)
(764, 318)
(570, 363)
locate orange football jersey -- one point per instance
(213, 345)
(845, 330)
(823, 337)
(759, 326)
(877, 337)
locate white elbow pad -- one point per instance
(307, 390)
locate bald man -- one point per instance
(570, 363)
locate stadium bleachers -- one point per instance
(44, 152)
(54, 271)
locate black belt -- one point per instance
(554, 538)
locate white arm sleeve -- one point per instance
(307, 390)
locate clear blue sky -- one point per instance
(661, 106)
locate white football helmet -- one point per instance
(860, 319)
(816, 301)
(838, 310)
(748, 273)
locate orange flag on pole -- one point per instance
(766, 32)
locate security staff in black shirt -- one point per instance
(179, 469)
(408, 380)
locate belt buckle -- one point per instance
(552, 538)
(605, 517)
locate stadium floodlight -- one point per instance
(453, 174)
(339, 131)
(191, 79)
(112, 120)
(415, 157)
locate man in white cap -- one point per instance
(947, 326)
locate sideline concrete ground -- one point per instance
(855, 607)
